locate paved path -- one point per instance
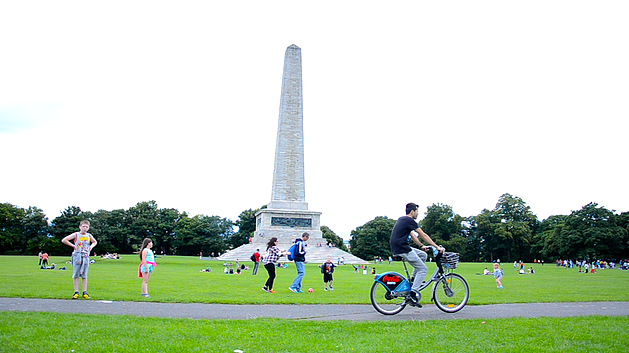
(313, 312)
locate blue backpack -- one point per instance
(292, 251)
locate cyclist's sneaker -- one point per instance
(86, 296)
(413, 300)
(75, 295)
(293, 290)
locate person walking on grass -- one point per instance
(256, 262)
(44, 259)
(299, 259)
(82, 243)
(498, 275)
(271, 256)
(147, 262)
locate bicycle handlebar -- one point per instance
(437, 254)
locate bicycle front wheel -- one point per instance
(451, 293)
(384, 302)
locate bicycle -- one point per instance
(390, 290)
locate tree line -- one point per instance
(27, 231)
(509, 232)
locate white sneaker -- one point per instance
(325, 289)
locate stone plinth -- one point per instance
(287, 225)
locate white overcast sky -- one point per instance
(106, 104)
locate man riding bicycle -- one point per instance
(404, 227)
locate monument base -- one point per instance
(286, 225)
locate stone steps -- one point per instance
(315, 254)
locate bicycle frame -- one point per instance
(390, 291)
(401, 285)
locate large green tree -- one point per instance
(444, 227)
(35, 225)
(246, 227)
(109, 229)
(142, 222)
(516, 227)
(332, 238)
(474, 247)
(485, 225)
(201, 234)
(547, 241)
(65, 224)
(593, 232)
(166, 230)
(11, 230)
(372, 239)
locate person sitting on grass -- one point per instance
(531, 271)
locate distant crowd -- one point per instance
(591, 266)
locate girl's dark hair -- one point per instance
(271, 243)
(145, 243)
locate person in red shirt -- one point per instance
(256, 262)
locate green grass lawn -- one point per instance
(177, 279)
(52, 332)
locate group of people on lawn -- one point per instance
(406, 227)
(83, 242)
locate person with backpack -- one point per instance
(298, 254)
(256, 261)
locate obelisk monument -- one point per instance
(286, 216)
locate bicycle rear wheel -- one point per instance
(384, 302)
(451, 293)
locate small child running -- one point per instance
(498, 275)
(327, 269)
